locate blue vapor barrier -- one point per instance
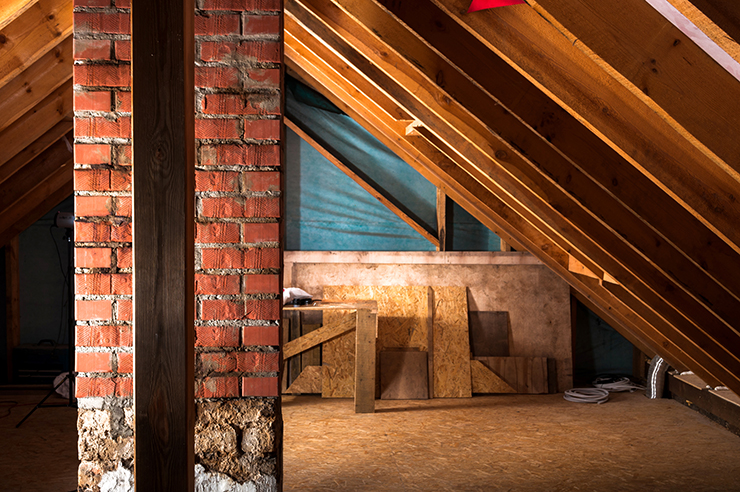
(327, 211)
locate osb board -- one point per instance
(489, 333)
(308, 382)
(524, 374)
(404, 375)
(486, 381)
(338, 360)
(451, 343)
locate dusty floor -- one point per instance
(517, 443)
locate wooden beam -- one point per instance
(36, 82)
(61, 129)
(538, 51)
(12, 9)
(702, 14)
(12, 302)
(361, 179)
(163, 248)
(367, 325)
(444, 221)
(51, 110)
(31, 35)
(317, 337)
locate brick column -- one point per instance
(238, 255)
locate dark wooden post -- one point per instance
(162, 39)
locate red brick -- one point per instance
(223, 77)
(261, 284)
(102, 127)
(210, 25)
(219, 309)
(249, 5)
(92, 154)
(92, 232)
(260, 386)
(123, 102)
(261, 232)
(221, 387)
(120, 180)
(216, 336)
(121, 233)
(217, 233)
(123, 154)
(261, 335)
(260, 51)
(261, 24)
(93, 310)
(267, 309)
(103, 75)
(216, 181)
(244, 155)
(104, 336)
(125, 387)
(220, 128)
(260, 206)
(240, 104)
(262, 129)
(93, 206)
(93, 362)
(211, 51)
(123, 206)
(124, 258)
(96, 284)
(102, 22)
(92, 101)
(123, 4)
(261, 181)
(218, 362)
(216, 284)
(125, 363)
(92, 3)
(95, 387)
(125, 311)
(121, 284)
(122, 50)
(238, 258)
(92, 257)
(91, 180)
(91, 49)
(257, 361)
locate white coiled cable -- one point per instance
(587, 395)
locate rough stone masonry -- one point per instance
(237, 246)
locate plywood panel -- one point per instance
(338, 368)
(309, 381)
(486, 381)
(451, 343)
(489, 333)
(404, 375)
(524, 374)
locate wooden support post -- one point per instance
(365, 361)
(444, 221)
(163, 205)
(430, 337)
(12, 302)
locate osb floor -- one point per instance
(517, 443)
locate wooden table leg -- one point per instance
(365, 361)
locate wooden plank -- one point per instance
(284, 338)
(365, 361)
(363, 180)
(54, 108)
(294, 365)
(35, 32)
(451, 343)
(700, 14)
(319, 336)
(404, 375)
(311, 357)
(163, 203)
(524, 374)
(444, 221)
(36, 82)
(486, 381)
(338, 361)
(489, 333)
(430, 341)
(12, 303)
(61, 129)
(12, 9)
(308, 382)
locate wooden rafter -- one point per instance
(666, 336)
(713, 20)
(12, 9)
(36, 148)
(444, 221)
(365, 182)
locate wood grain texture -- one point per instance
(486, 381)
(489, 333)
(311, 357)
(451, 343)
(11, 9)
(444, 224)
(52, 136)
(319, 336)
(338, 360)
(12, 302)
(163, 204)
(524, 374)
(404, 375)
(365, 361)
(308, 382)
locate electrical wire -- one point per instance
(587, 395)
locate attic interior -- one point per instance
(549, 186)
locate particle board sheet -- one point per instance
(524, 374)
(404, 375)
(452, 377)
(308, 382)
(338, 360)
(486, 381)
